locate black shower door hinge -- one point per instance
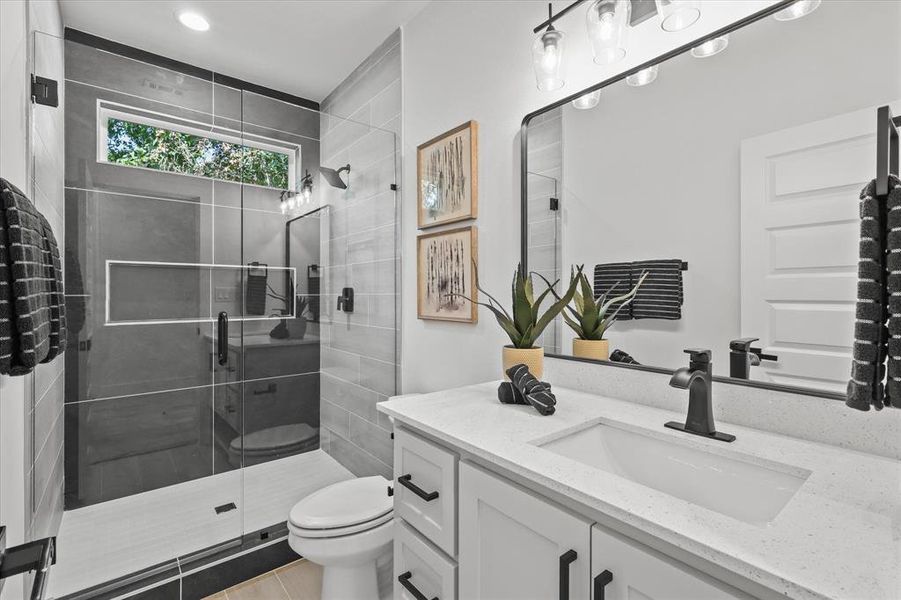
(555, 204)
(44, 91)
(393, 187)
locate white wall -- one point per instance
(470, 60)
(653, 172)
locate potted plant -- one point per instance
(590, 318)
(525, 325)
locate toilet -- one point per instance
(345, 528)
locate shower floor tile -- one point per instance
(105, 541)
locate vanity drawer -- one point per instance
(425, 489)
(419, 566)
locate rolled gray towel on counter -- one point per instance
(534, 392)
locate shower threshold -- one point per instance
(159, 535)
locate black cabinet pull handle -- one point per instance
(222, 338)
(600, 583)
(566, 559)
(404, 579)
(405, 480)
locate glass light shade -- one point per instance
(643, 77)
(547, 60)
(586, 101)
(797, 10)
(306, 189)
(711, 47)
(608, 29)
(292, 202)
(283, 206)
(676, 15)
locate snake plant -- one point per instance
(589, 317)
(525, 325)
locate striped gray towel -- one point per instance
(660, 296)
(32, 320)
(869, 318)
(614, 279)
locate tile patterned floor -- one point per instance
(300, 580)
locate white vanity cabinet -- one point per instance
(515, 545)
(623, 570)
(464, 532)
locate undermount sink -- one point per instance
(730, 486)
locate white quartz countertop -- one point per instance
(839, 536)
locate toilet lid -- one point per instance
(274, 438)
(343, 504)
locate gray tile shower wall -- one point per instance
(360, 349)
(545, 181)
(147, 405)
(44, 479)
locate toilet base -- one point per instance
(350, 583)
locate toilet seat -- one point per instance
(342, 508)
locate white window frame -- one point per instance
(111, 110)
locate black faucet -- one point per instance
(697, 378)
(742, 357)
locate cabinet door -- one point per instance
(639, 572)
(515, 545)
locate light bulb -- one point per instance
(283, 206)
(306, 193)
(797, 10)
(586, 101)
(676, 15)
(643, 77)
(608, 28)
(711, 47)
(547, 59)
(292, 203)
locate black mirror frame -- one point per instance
(524, 208)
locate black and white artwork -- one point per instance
(446, 275)
(448, 177)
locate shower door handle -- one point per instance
(222, 339)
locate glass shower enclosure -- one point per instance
(204, 256)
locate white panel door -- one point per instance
(511, 543)
(624, 570)
(799, 245)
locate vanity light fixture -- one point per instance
(676, 15)
(711, 47)
(193, 20)
(306, 187)
(586, 101)
(643, 77)
(799, 9)
(608, 29)
(547, 57)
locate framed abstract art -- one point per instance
(447, 168)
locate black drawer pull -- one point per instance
(222, 339)
(404, 480)
(404, 579)
(566, 559)
(600, 583)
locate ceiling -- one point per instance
(305, 48)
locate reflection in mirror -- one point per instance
(744, 166)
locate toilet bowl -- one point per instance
(345, 528)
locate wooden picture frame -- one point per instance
(446, 264)
(447, 177)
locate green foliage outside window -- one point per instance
(146, 146)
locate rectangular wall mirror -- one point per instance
(742, 171)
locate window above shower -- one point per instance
(137, 138)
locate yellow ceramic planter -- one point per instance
(593, 349)
(530, 357)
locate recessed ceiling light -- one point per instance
(192, 20)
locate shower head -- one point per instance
(333, 177)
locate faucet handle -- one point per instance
(742, 344)
(699, 357)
